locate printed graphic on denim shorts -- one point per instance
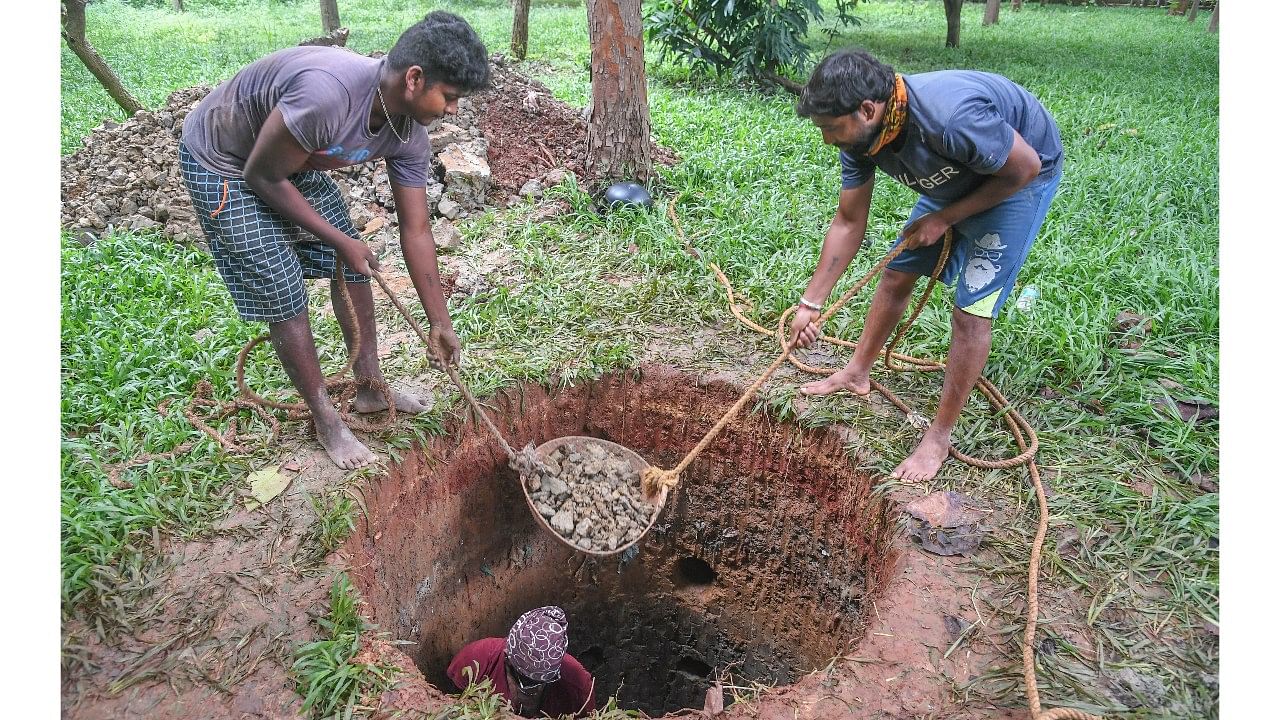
(983, 265)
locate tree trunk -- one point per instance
(1195, 8)
(992, 16)
(1017, 5)
(177, 5)
(329, 15)
(953, 21)
(1213, 19)
(618, 143)
(73, 33)
(520, 29)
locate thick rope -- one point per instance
(338, 386)
(1023, 434)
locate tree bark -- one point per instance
(1195, 8)
(1213, 19)
(992, 15)
(953, 21)
(73, 32)
(785, 83)
(329, 15)
(520, 29)
(177, 6)
(618, 144)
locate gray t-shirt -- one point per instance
(959, 131)
(325, 95)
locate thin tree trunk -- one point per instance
(177, 5)
(1195, 8)
(785, 83)
(329, 15)
(618, 144)
(953, 21)
(73, 26)
(992, 15)
(1213, 19)
(520, 29)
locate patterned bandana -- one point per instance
(536, 643)
(895, 115)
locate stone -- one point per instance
(466, 172)
(562, 522)
(446, 135)
(555, 486)
(361, 216)
(533, 188)
(447, 235)
(434, 193)
(448, 208)
(583, 528)
(555, 176)
(144, 223)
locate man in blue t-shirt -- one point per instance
(985, 157)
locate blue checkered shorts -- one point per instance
(262, 257)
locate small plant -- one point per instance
(477, 702)
(330, 684)
(335, 519)
(757, 39)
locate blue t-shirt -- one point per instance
(959, 130)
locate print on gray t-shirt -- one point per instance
(325, 96)
(959, 130)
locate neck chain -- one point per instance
(387, 115)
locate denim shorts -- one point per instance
(988, 249)
(262, 257)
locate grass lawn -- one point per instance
(1134, 227)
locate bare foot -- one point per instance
(344, 449)
(925, 461)
(858, 383)
(373, 401)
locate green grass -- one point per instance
(331, 685)
(1134, 227)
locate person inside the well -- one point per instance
(530, 667)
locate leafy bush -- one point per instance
(757, 39)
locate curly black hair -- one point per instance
(447, 50)
(842, 81)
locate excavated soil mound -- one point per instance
(515, 136)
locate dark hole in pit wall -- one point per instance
(693, 572)
(759, 566)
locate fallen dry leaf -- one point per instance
(713, 704)
(1195, 409)
(264, 486)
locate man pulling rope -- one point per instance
(986, 158)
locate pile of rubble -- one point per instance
(126, 174)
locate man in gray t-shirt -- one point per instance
(986, 159)
(253, 156)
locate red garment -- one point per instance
(573, 694)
